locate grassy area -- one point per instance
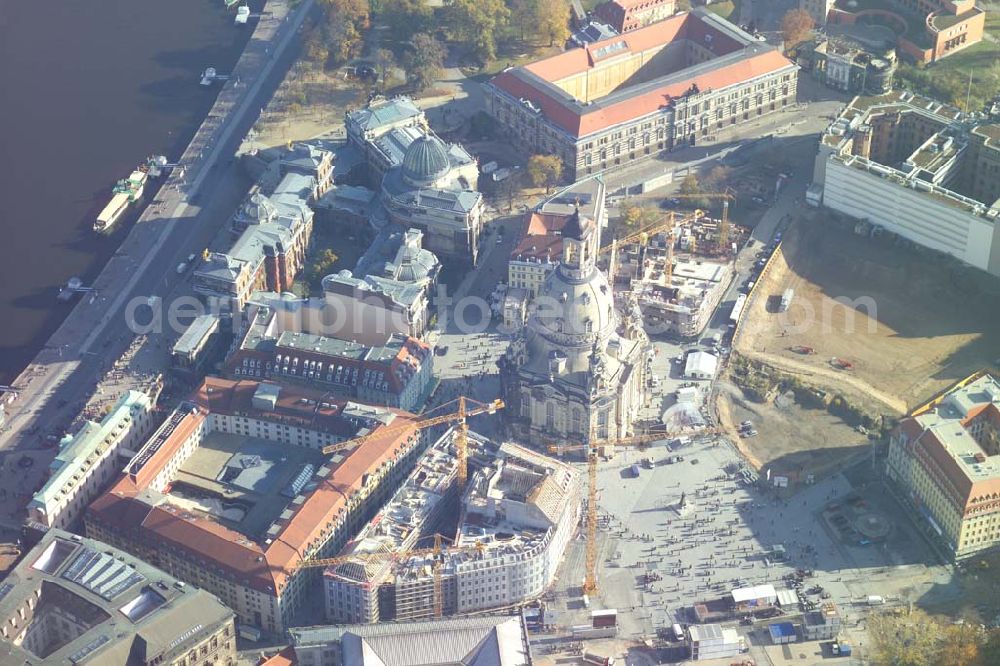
(512, 56)
(948, 79)
(915, 30)
(729, 9)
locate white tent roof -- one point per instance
(742, 594)
(700, 363)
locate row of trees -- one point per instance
(415, 31)
(916, 639)
(480, 26)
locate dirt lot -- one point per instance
(928, 321)
(791, 440)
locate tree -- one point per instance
(796, 26)
(962, 644)
(718, 177)
(344, 21)
(690, 185)
(424, 59)
(323, 265)
(552, 20)
(509, 187)
(343, 40)
(544, 170)
(632, 216)
(477, 22)
(989, 652)
(907, 639)
(384, 62)
(522, 14)
(406, 18)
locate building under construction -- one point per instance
(515, 517)
(679, 274)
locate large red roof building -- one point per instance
(945, 459)
(625, 15)
(688, 79)
(232, 492)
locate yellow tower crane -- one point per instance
(590, 575)
(667, 223)
(727, 195)
(466, 407)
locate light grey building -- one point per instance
(578, 367)
(73, 600)
(483, 641)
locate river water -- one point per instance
(88, 89)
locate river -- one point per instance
(89, 89)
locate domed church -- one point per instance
(434, 190)
(578, 368)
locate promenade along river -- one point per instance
(90, 90)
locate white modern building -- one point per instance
(479, 641)
(89, 460)
(711, 641)
(516, 516)
(917, 168)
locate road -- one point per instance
(181, 220)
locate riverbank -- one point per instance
(92, 90)
(96, 330)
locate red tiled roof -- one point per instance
(121, 509)
(398, 370)
(603, 117)
(545, 223)
(578, 60)
(284, 658)
(631, 4)
(541, 239)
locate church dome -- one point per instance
(425, 160)
(571, 316)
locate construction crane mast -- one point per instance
(590, 575)
(437, 553)
(464, 411)
(727, 195)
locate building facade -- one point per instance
(422, 182)
(945, 458)
(73, 600)
(848, 66)
(396, 374)
(501, 640)
(516, 516)
(274, 236)
(625, 15)
(89, 461)
(912, 166)
(927, 30)
(433, 189)
(817, 10)
(537, 253)
(690, 79)
(578, 368)
(233, 492)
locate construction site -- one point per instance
(874, 326)
(678, 268)
(506, 533)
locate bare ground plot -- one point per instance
(916, 323)
(791, 439)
